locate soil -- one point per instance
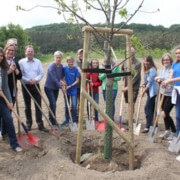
(54, 157)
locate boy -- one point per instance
(71, 75)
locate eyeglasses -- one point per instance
(11, 50)
(166, 60)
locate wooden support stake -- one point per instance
(130, 104)
(105, 116)
(81, 110)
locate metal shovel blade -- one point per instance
(73, 126)
(152, 133)
(90, 125)
(22, 141)
(136, 129)
(175, 145)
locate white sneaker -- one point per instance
(165, 134)
(18, 149)
(171, 136)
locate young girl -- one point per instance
(175, 77)
(167, 105)
(150, 73)
(95, 83)
(4, 108)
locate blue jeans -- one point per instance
(96, 99)
(8, 121)
(114, 98)
(177, 106)
(52, 97)
(149, 110)
(74, 108)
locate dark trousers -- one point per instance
(52, 97)
(27, 101)
(5, 114)
(167, 107)
(149, 110)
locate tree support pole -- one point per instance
(81, 110)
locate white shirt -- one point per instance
(31, 70)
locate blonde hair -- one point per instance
(169, 56)
(58, 53)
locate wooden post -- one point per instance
(81, 110)
(130, 104)
(108, 119)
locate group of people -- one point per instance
(30, 71)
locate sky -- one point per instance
(168, 14)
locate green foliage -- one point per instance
(123, 13)
(16, 31)
(69, 38)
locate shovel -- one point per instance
(175, 144)
(90, 125)
(120, 112)
(136, 125)
(72, 125)
(31, 138)
(52, 114)
(54, 132)
(153, 129)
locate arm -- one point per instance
(137, 75)
(117, 70)
(102, 75)
(41, 72)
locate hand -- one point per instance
(10, 106)
(165, 83)
(91, 83)
(124, 89)
(63, 83)
(12, 66)
(1, 92)
(68, 87)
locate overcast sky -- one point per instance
(169, 13)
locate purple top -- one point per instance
(54, 75)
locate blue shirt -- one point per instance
(31, 70)
(176, 72)
(70, 78)
(54, 75)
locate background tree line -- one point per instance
(49, 38)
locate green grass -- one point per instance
(157, 53)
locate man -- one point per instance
(136, 65)
(78, 64)
(32, 73)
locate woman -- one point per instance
(175, 78)
(9, 52)
(4, 108)
(151, 87)
(52, 84)
(102, 76)
(167, 106)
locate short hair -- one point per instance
(29, 46)
(69, 58)
(169, 56)
(58, 53)
(11, 39)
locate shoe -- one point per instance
(64, 123)
(28, 127)
(171, 136)
(165, 134)
(18, 149)
(42, 128)
(146, 130)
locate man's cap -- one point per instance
(79, 51)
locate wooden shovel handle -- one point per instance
(139, 103)
(161, 102)
(121, 105)
(65, 94)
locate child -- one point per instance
(102, 76)
(95, 83)
(167, 105)
(72, 75)
(4, 108)
(151, 88)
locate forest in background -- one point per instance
(47, 39)
(69, 38)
